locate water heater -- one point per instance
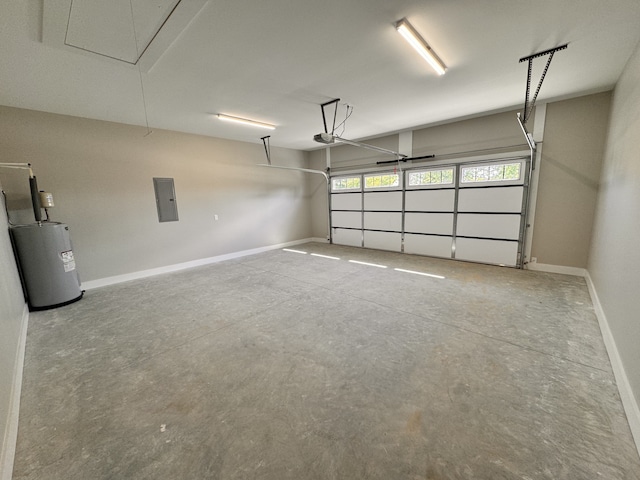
(47, 264)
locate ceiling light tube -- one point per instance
(245, 121)
(422, 47)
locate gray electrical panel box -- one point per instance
(166, 199)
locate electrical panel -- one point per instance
(166, 199)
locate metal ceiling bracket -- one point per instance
(529, 103)
(335, 113)
(267, 147)
(330, 137)
(528, 136)
(530, 141)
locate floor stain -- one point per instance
(414, 424)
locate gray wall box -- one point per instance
(47, 264)
(166, 199)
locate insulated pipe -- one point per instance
(33, 184)
(23, 166)
(35, 197)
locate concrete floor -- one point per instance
(290, 366)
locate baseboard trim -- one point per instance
(11, 433)
(545, 267)
(629, 402)
(103, 282)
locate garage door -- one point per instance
(470, 211)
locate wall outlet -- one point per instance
(215, 217)
(534, 259)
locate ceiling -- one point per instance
(276, 61)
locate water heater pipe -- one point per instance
(33, 185)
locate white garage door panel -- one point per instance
(502, 199)
(383, 201)
(489, 226)
(382, 240)
(346, 201)
(477, 222)
(352, 238)
(346, 219)
(427, 245)
(429, 200)
(383, 221)
(440, 223)
(487, 251)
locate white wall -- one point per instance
(574, 141)
(100, 174)
(11, 329)
(614, 262)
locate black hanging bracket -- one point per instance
(529, 103)
(333, 102)
(267, 147)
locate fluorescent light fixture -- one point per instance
(416, 41)
(245, 121)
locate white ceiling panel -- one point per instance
(119, 29)
(276, 61)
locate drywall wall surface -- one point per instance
(614, 261)
(574, 141)
(472, 136)
(11, 311)
(101, 175)
(318, 192)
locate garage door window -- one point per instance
(499, 172)
(380, 181)
(345, 183)
(427, 178)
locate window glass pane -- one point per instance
(382, 181)
(431, 177)
(512, 171)
(345, 183)
(491, 173)
(496, 172)
(468, 175)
